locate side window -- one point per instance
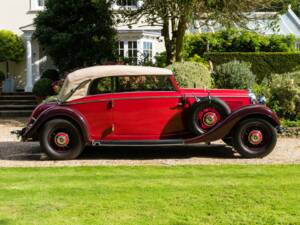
(101, 86)
(144, 83)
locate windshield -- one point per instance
(64, 98)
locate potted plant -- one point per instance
(42, 89)
(2, 78)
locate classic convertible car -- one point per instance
(131, 105)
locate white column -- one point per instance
(29, 77)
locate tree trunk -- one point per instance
(168, 41)
(182, 25)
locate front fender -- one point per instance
(32, 131)
(225, 127)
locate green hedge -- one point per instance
(263, 63)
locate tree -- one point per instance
(77, 33)
(11, 48)
(176, 15)
(282, 6)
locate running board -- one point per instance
(139, 143)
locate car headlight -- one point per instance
(252, 97)
(262, 100)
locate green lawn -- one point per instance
(151, 195)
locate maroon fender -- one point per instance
(54, 113)
(224, 128)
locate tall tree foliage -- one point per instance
(11, 47)
(176, 15)
(77, 33)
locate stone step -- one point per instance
(14, 113)
(17, 97)
(17, 107)
(18, 102)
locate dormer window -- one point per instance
(127, 3)
(36, 5)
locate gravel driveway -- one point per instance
(16, 154)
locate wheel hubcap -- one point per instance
(255, 137)
(210, 119)
(61, 139)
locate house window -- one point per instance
(121, 50)
(127, 2)
(148, 49)
(132, 52)
(41, 3)
(37, 4)
(298, 46)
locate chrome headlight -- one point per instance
(262, 100)
(252, 97)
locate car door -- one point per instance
(147, 107)
(97, 108)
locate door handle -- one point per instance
(110, 104)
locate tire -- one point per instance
(61, 140)
(254, 138)
(198, 110)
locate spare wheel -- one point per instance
(206, 114)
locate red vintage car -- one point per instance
(132, 105)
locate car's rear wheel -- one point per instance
(61, 140)
(254, 138)
(207, 114)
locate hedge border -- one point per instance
(263, 63)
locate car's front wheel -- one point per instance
(61, 140)
(254, 138)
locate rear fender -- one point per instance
(59, 112)
(225, 127)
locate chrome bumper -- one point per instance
(280, 129)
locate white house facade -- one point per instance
(137, 42)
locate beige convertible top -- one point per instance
(92, 73)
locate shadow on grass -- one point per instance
(32, 152)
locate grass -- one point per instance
(151, 195)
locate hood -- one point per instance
(215, 92)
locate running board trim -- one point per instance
(138, 143)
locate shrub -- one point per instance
(261, 89)
(234, 40)
(294, 75)
(234, 75)
(263, 64)
(2, 76)
(51, 74)
(161, 59)
(43, 88)
(191, 75)
(285, 96)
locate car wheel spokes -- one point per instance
(60, 140)
(255, 137)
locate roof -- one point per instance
(117, 70)
(92, 73)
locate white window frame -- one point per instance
(148, 50)
(132, 50)
(35, 5)
(121, 50)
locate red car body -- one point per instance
(147, 117)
